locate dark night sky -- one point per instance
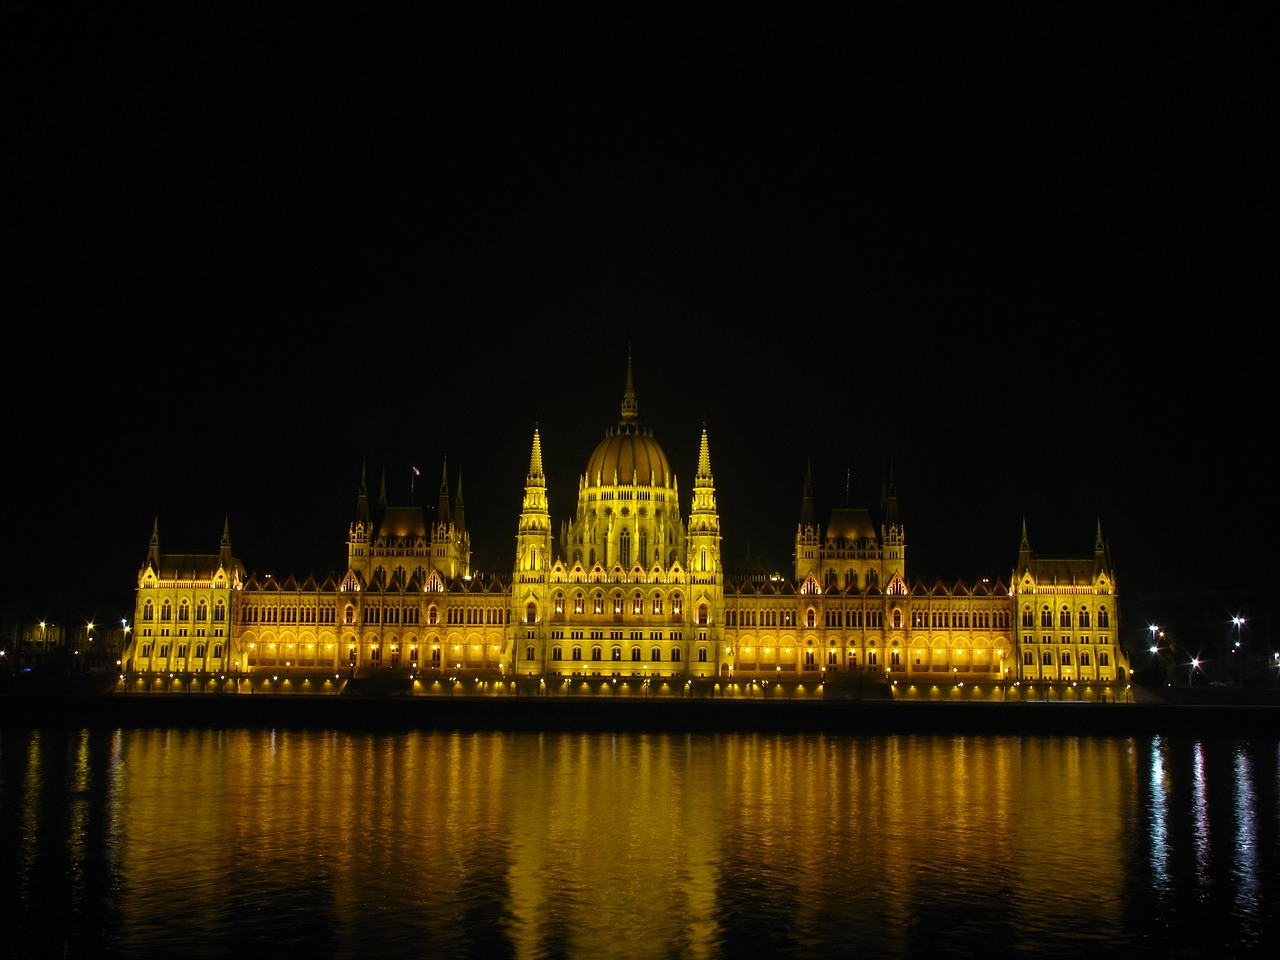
(1020, 266)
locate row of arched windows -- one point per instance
(183, 613)
(615, 654)
(1064, 617)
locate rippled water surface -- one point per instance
(210, 843)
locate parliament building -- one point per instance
(632, 592)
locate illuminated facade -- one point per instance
(631, 591)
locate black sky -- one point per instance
(1019, 265)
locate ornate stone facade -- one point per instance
(632, 592)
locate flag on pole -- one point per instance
(417, 472)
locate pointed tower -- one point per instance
(450, 543)
(530, 600)
(706, 576)
(808, 535)
(360, 532)
(893, 536)
(1101, 563)
(224, 549)
(442, 507)
(459, 515)
(153, 550)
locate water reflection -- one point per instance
(208, 842)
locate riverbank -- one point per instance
(653, 715)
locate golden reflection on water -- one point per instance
(570, 840)
(630, 845)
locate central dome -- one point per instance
(628, 454)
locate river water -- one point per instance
(196, 842)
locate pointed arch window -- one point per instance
(702, 615)
(531, 612)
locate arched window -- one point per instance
(1104, 620)
(635, 653)
(1046, 659)
(1028, 658)
(1083, 619)
(897, 619)
(675, 654)
(1064, 618)
(576, 654)
(655, 653)
(616, 653)
(702, 614)
(555, 652)
(528, 653)
(1046, 617)
(595, 653)
(531, 612)
(702, 654)
(810, 617)
(637, 604)
(1066, 658)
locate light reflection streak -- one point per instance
(1246, 836)
(1157, 816)
(1200, 812)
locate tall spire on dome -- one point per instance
(630, 409)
